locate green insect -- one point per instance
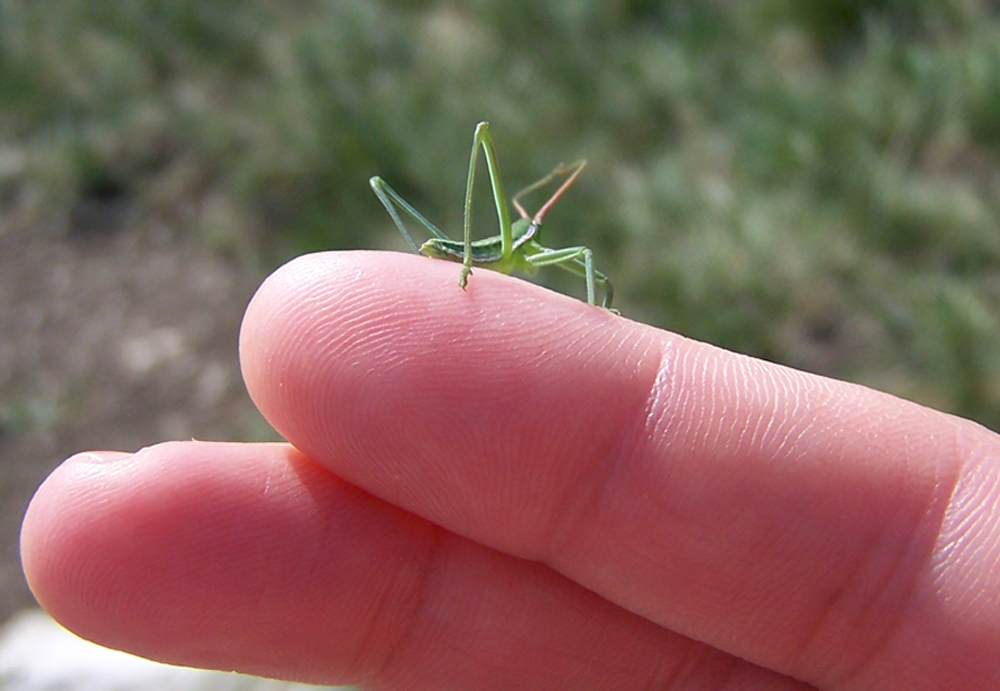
(517, 246)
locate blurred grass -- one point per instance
(813, 181)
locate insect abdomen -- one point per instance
(484, 252)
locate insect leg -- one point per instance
(484, 139)
(578, 261)
(390, 200)
(573, 171)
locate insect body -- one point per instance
(517, 246)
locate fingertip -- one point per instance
(57, 494)
(334, 323)
(194, 552)
(58, 517)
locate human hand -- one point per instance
(507, 488)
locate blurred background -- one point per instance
(813, 182)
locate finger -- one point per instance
(825, 530)
(251, 557)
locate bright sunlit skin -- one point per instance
(505, 488)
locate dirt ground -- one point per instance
(113, 335)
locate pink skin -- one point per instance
(506, 488)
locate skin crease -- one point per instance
(507, 487)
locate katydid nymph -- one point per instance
(517, 246)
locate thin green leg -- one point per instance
(390, 199)
(483, 138)
(578, 261)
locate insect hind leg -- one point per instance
(391, 200)
(580, 262)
